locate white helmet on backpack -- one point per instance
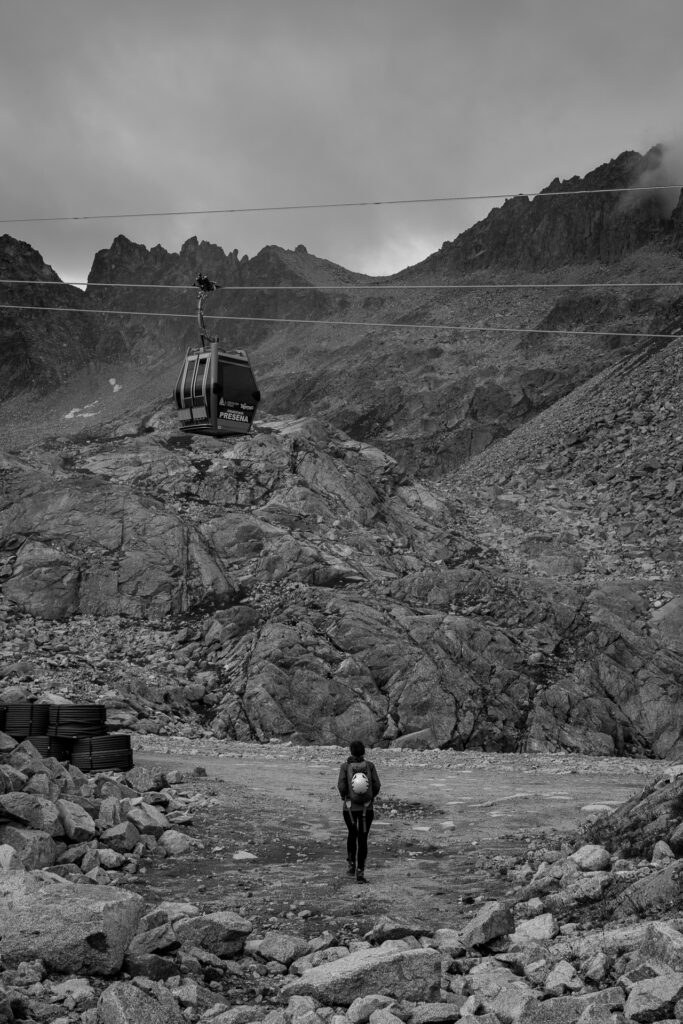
(360, 783)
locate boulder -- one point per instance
(9, 858)
(11, 779)
(149, 965)
(663, 944)
(144, 779)
(361, 1008)
(32, 811)
(493, 920)
(125, 1003)
(222, 932)
(587, 889)
(110, 813)
(568, 1009)
(512, 1002)
(315, 959)
(662, 852)
(174, 911)
(78, 991)
(448, 940)
(487, 978)
(176, 843)
(535, 929)
(7, 744)
(35, 849)
(109, 859)
(388, 928)
(161, 939)
(78, 826)
(404, 974)
(653, 894)
(562, 978)
(71, 928)
(123, 837)
(591, 857)
(285, 949)
(148, 820)
(383, 1016)
(654, 999)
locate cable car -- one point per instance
(216, 393)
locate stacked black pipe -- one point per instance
(27, 719)
(76, 720)
(99, 752)
(69, 732)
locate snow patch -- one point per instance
(82, 413)
(115, 386)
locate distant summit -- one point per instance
(544, 232)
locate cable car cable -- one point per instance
(460, 286)
(342, 205)
(350, 323)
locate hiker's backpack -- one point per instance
(359, 778)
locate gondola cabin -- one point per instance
(216, 392)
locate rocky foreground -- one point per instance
(590, 929)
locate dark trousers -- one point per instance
(358, 823)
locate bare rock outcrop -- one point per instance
(336, 595)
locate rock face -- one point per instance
(71, 928)
(339, 597)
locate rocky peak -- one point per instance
(37, 348)
(130, 261)
(21, 261)
(532, 234)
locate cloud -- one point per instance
(162, 106)
(664, 176)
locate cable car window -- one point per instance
(236, 380)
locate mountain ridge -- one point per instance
(434, 537)
(457, 389)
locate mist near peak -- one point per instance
(663, 173)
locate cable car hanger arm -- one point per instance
(204, 286)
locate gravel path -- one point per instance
(449, 827)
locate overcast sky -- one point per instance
(114, 106)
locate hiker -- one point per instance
(358, 785)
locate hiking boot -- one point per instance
(360, 876)
(351, 869)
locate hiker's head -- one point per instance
(357, 748)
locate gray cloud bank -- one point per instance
(158, 105)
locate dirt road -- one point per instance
(448, 827)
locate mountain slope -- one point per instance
(301, 582)
(465, 368)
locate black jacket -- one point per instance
(343, 782)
